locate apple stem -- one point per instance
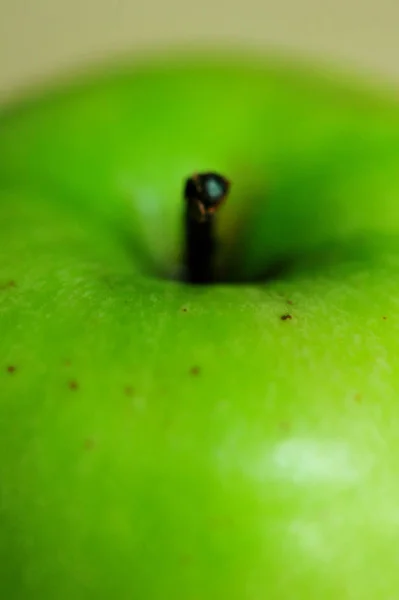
(199, 249)
(204, 193)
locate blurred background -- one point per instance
(40, 37)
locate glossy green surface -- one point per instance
(159, 441)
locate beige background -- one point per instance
(38, 37)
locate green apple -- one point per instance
(162, 441)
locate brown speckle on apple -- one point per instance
(195, 370)
(221, 522)
(186, 560)
(73, 385)
(285, 426)
(286, 317)
(11, 369)
(10, 284)
(88, 444)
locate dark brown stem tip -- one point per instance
(205, 193)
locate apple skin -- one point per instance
(163, 441)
